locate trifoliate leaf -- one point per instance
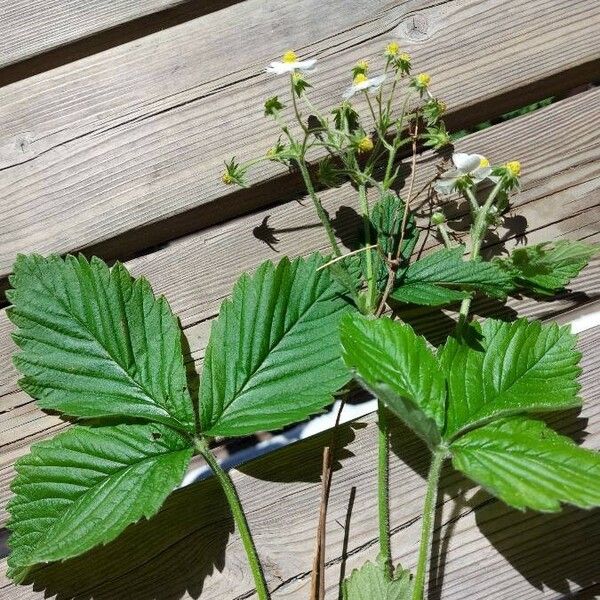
(545, 269)
(528, 465)
(370, 583)
(517, 367)
(274, 356)
(394, 363)
(426, 281)
(95, 342)
(83, 487)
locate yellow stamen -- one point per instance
(392, 49)
(514, 167)
(360, 78)
(484, 162)
(365, 145)
(289, 57)
(423, 79)
(404, 57)
(227, 178)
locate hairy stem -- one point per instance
(443, 231)
(238, 516)
(318, 206)
(383, 481)
(478, 231)
(428, 519)
(364, 211)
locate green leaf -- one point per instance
(386, 219)
(545, 269)
(431, 280)
(96, 343)
(394, 363)
(528, 465)
(274, 356)
(517, 367)
(428, 294)
(370, 583)
(83, 487)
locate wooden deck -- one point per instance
(115, 119)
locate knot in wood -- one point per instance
(415, 27)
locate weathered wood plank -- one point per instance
(494, 552)
(125, 147)
(31, 27)
(560, 198)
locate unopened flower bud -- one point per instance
(437, 218)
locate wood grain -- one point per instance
(32, 27)
(190, 548)
(122, 150)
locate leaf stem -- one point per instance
(318, 206)
(383, 481)
(238, 516)
(428, 519)
(364, 210)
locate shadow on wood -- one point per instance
(162, 558)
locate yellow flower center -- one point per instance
(484, 162)
(227, 178)
(423, 79)
(392, 49)
(365, 145)
(514, 168)
(289, 57)
(360, 78)
(404, 57)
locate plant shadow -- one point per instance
(304, 462)
(161, 558)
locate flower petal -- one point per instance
(481, 173)
(466, 163)
(375, 82)
(305, 65)
(350, 92)
(445, 186)
(278, 68)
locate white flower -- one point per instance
(363, 83)
(476, 166)
(290, 64)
